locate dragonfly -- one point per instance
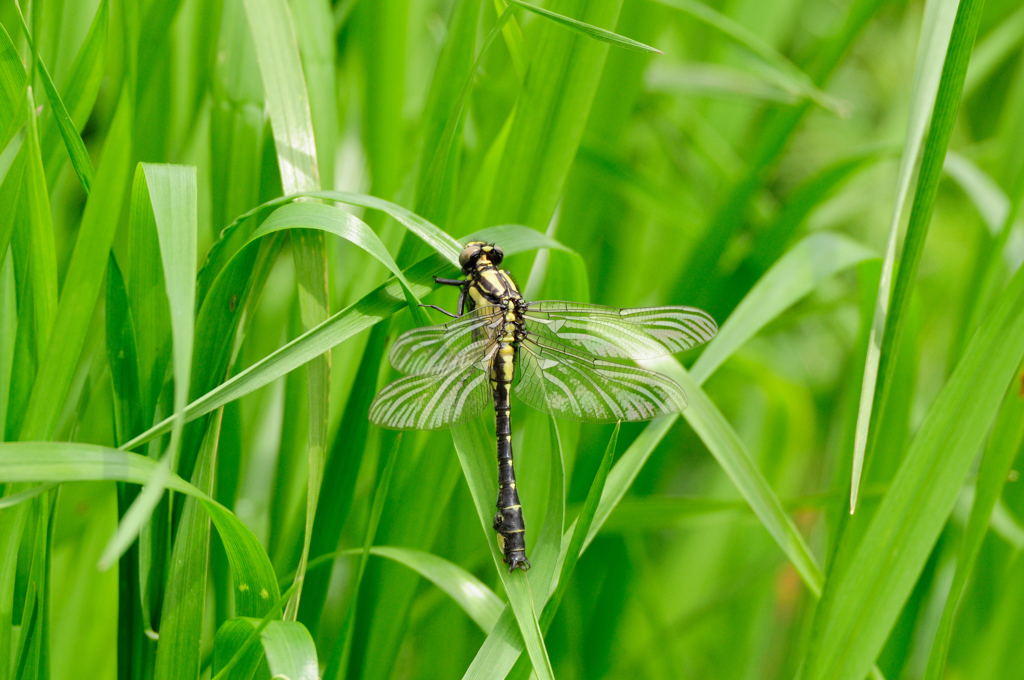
(558, 357)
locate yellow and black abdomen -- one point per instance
(508, 520)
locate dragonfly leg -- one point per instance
(443, 311)
(449, 282)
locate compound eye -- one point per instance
(496, 256)
(468, 254)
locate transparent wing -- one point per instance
(438, 349)
(559, 380)
(431, 401)
(641, 333)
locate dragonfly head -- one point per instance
(475, 250)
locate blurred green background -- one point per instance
(768, 162)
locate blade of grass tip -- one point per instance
(252, 629)
(476, 599)
(581, 530)
(869, 583)
(475, 452)
(588, 30)
(171, 194)
(377, 305)
(73, 141)
(338, 667)
(936, 36)
(996, 462)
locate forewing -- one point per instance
(569, 384)
(431, 401)
(438, 349)
(640, 333)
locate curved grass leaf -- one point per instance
(286, 649)
(870, 581)
(590, 31)
(256, 587)
(935, 96)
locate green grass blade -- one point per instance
(1003, 445)
(476, 599)
(284, 86)
(73, 141)
(935, 91)
(474, 449)
(11, 530)
(181, 616)
(42, 250)
(549, 541)
(81, 282)
(82, 86)
(338, 668)
(871, 581)
(816, 258)
(581, 528)
(168, 193)
(727, 448)
(334, 221)
(590, 31)
(545, 134)
(993, 51)
(716, 80)
(256, 586)
(12, 169)
(239, 637)
(13, 80)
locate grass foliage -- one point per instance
(216, 214)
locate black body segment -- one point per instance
(556, 354)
